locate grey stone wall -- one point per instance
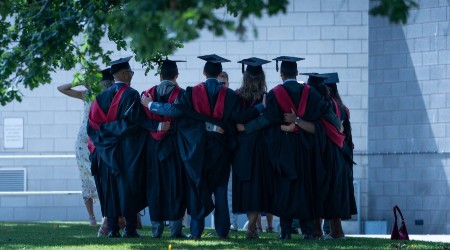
(44, 175)
(409, 115)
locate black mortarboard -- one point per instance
(169, 65)
(288, 63)
(213, 64)
(331, 81)
(214, 58)
(315, 78)
(119, 64)
(254, 65)
(332, 78)
(106, 75)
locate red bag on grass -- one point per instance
(402, 233)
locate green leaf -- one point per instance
(44, 36)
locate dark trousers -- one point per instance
(175, 228)
(221, 211)
(285, 225)
(306, 226)
(221, 214)
(197, 227)
(326, 226)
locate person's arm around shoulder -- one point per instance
(243, 114)
(67, 90)
(258, 123)
(164, 109)
(317, 101)
(294, 120)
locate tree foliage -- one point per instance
(38, 37)
(396, 10)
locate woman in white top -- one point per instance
(88, 188)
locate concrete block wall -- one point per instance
(49, 207)
(331, 34)
(46, 174)
(409, 136)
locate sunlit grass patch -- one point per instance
(70, 235)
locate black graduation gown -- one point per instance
(348, 147)
(118, 155)
(252, 182)
(166, 178)
(207, 155)
(337, 200)
(298, 176)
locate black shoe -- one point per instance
(308, 237)
(284, 237)
(224, 237)
(190, 236)
(127, 234)
(115, 234)
(179, 236)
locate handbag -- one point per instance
(402, 233)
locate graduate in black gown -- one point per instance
(252, 184)
(334, 201)
(344, 116)
(206, 129)
(297, 176)
(166, 175)
(346, 182)
(114, 126)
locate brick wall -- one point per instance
(409, 132)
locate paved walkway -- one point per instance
(433, 238)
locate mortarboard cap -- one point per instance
(315, 78)
(332, 78)
(213, 65)
(106, 75)
(119, 64)
(288, 63)
(254, 65)
(169, 65)
(213, 58)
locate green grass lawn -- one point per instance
(63, 235)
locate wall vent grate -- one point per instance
(12, 179)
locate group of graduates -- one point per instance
(171, 149)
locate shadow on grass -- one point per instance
(57, 235)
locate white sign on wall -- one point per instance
(13, 133)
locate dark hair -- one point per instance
(289, 74)
(168, 74)
(321, 88)
(212, 69)
(253, 86)
(335, 94)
